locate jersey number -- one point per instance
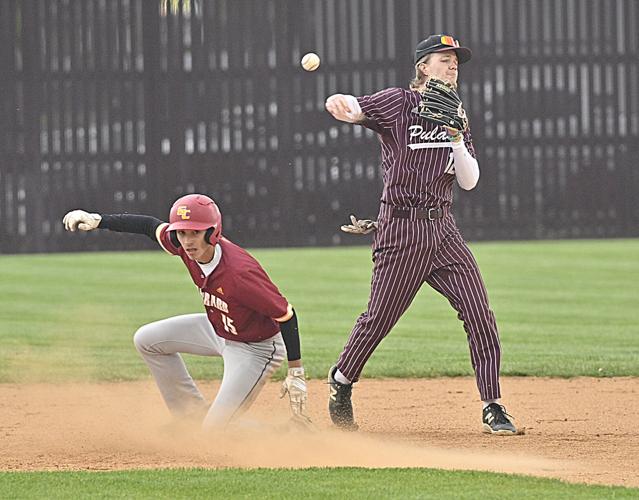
(228, 324)
(450, 168)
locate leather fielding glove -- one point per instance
(359, 226)
(295, 385)
(79, 219)
(440, 104)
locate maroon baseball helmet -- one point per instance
(196, 212)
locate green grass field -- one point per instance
(346, 483)
(564, 308)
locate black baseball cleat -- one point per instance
(339, 403)
(497, 421)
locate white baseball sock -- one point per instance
(339, 377)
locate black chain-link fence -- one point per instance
(123, 105)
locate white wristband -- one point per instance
(458, 144)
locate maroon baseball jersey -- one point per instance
(240, 299)
(416, 154)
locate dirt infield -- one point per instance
(579, 430)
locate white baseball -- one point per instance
(311, 61)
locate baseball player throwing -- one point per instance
(416, 239)
(247, 321)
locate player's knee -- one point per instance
(141, 339)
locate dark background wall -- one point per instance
(124, 105)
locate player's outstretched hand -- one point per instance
(359, 226)
(344, 108)
(79, 219)
(295, 385)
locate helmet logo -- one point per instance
(183, 211)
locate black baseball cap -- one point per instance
(439, 43)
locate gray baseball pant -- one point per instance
(247, 366)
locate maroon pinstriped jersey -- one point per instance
(416, 154)
(419, 172)
(239, 297)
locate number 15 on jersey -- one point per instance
(228, 324)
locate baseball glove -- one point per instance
(359, 226)
(441, 104)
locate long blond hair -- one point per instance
(420, 77)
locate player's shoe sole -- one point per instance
(502, 432)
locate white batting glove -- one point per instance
(295, 386)
(359, 226)
(79, 219)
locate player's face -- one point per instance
(195, 246)
(442, 65)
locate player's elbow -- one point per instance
(469, 182)
(290, 312)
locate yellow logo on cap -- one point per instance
(183, 212)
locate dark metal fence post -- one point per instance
(154, 160)
(28, 199)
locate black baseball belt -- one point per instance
(429, 213)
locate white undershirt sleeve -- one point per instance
(466, 167)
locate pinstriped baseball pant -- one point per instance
(407, 253)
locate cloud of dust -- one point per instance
(125, 425)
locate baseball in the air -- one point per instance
(311, 61)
